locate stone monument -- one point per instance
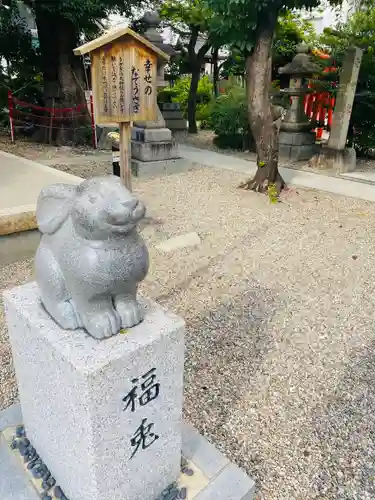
(336, 155)
(154, 151)
(101, 412)
(296, 140)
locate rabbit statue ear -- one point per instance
(53, 206)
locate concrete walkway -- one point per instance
(21, 181)
(353, 188)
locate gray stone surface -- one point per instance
(298, 153)
(167, 106)
(151, 151)
(345, 98)
(339, 160)
(13, 483)
(10, 416)
(73, 392)
(296, 138)
(232, 483)
(172, 114)
(200, 451)
(163, 167)
(225, 478)
(91, 258)
(176, 124)
(151, 135)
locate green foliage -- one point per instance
(291, 30)
(236, 21)
(360, 31)
(21, 72)
(229, 120)
(180, 93)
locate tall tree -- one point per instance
(191, 22)
(251, 25)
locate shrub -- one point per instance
(180, 93)
(229, 120)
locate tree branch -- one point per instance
(193, 42)
(204, 49)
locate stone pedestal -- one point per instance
(297, 146)
(154, 152)
(104, 416)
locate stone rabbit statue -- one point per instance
(91, 258)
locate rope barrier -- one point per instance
(25, 115)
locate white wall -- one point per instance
(327, 16)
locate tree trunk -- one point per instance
(192, 100)
(215, 57)
(63, 74)
(264, 128)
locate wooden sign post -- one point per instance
(124, 73)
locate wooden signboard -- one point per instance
(124, 73)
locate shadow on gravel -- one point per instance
(345, 430)
(224, 350)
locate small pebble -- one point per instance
(183, 493)
(51, 482)
(23, 450)
(184, 462)
(45, 496)
(172, 495)
(20, 431)
(58, 492)
(37, 474)
(187, 471)
(37, 463)
(31, 464)
(46, 475)
(24, 441)
(13, 444)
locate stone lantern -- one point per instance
(297, 141)
(154, 152)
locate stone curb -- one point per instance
(17, 222)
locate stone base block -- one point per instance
(339, 160)
(153, 151)
(175, 125)
(296, 138)
(298, 153)
(214, 476)
(151, 135)
(100, 412)
(173, 114)
(168, 106)
(157, 168)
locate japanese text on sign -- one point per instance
(121, 85)
(104, 83)
(145, 389)
(148, 77)
(135, 89)
(114, 82)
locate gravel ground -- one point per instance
(279, 306)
